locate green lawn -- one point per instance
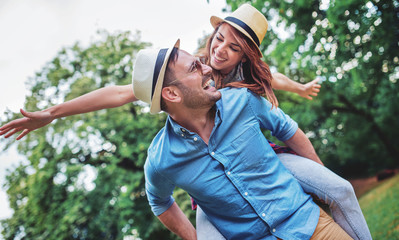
(381, 209)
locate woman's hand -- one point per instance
(307, 90)
(310, 89)
(31, 121)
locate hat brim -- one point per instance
(156, 98)
(215, 21)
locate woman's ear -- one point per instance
(244, 59)
(171, 94)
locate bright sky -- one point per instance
(34, 31)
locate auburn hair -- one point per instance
(257, 75)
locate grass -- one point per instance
(380, 207)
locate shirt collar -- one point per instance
(179, 130)
(176, 128)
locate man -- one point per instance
(212, 147)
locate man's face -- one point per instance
(195, 80)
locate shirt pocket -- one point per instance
(251, 148)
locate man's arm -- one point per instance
(159, 190)
(282, 82)
(107, 97)
(176, 221)
(282, 127)
(301, 145)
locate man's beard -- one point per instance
(196, 99)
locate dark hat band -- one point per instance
(157, 69)
(247, 28)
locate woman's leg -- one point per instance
(205, 229)
(337, 192)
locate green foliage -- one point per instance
(381, 210)
(353, 46)
(84, 175)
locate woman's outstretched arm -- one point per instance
(307, 90)
(107, 97)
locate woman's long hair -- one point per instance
(257, 75)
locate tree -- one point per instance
(84, 176)
(353, 45)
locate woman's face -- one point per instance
(225, 53)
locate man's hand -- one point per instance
(175, 220)
(310, 89)
(31, 121)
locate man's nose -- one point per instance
(206, 70)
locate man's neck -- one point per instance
(200, 121)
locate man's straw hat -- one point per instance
(148, 75)
(248, 20)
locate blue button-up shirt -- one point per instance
(236, 178)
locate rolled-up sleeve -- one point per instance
(159, 189)
(273, 119)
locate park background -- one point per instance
(81, 177)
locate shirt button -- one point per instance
(274, 230)
(246, 194)
(228, 173)
(212, 153)
(182, 129)
(263, 215)
(195, 139)
(182, 135)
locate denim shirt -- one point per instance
(236, 178)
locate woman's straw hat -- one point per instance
(148, 75)
(248, 20)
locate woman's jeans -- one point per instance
(315, 179)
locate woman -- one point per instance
(233, 53)
(236, 60)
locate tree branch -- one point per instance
(125, 163)
(351, 108)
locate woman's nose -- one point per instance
(221, 48)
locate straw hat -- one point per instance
(148, 75)
(248, 20)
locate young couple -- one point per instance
(243, 188)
